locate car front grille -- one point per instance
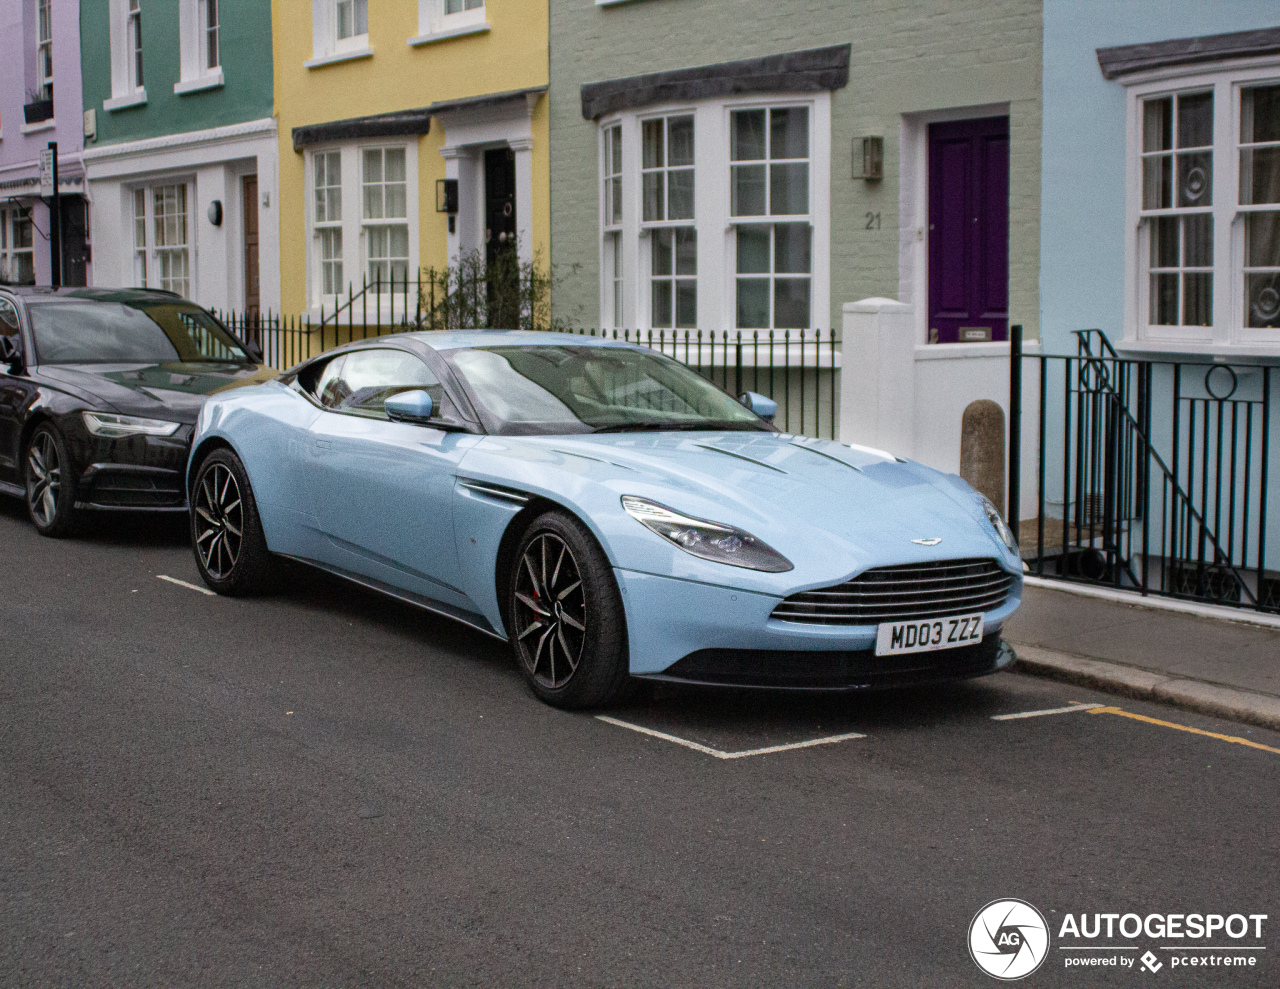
(911, 590)
(126, 489)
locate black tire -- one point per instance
(50, 481)
(546, 602)
(226, 533)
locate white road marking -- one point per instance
(720, 753)
(1039, 714)
(183, 583)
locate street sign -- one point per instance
(46, 172)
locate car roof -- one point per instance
(463, 339)
(43, 294)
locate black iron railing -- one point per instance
(1155, 476)
(798, 369)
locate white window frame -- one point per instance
(44, 48)
(126, 88)
(147, 250)
(435, 23)
(9, 251)
(193, 37)
(355, 248)
(612, 200)
(716, 228)
(326, 45)
(1228, 335)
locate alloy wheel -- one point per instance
(219, 520)
(550, 611)
(44, 478)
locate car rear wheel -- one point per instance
(51, 482)
(567, 622)
(231, 550)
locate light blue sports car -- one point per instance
(607, 511)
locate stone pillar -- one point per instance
(877, 376)
(523, 149)
(451, 157)
(982, 460)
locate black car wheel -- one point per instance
(566, 616)
(231, 550)
(51, 481)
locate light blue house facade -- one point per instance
(1160, 226)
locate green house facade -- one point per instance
(180, 147)
(862, 168)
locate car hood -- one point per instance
(172, 390)
(808, 498)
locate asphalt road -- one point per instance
(323, 787)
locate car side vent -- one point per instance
(912, 590)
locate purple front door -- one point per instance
(969, 230)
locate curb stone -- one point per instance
(1231, 703)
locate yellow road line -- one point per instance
(1194, 731)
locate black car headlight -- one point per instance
(709, 540)
(110, 426)
(1000, 525)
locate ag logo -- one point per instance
(1008, 939)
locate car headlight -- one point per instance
(999, 524)
(111, 426)
(708, 540)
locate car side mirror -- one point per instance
(11, 353)
(409, 406)
(253, 350)
(765, 408)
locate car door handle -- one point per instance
(323, 444)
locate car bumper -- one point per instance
(132, 473)
(703, 633)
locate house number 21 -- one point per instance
(873, 221)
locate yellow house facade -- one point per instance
(412, 133)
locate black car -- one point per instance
(99, 392)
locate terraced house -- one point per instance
(181, 147)
(763, 167)
(411, 134)
(39, 104)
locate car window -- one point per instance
(558, 388)
(8, 319)
(361, 381)
(326, 388)
(106, 332)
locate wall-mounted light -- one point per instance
(447, 201)
(868, 158)
(446, 195)
(215, 212)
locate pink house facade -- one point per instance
(40, 103)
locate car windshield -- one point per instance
(580, 389)
(101, 332)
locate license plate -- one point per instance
(927, 635)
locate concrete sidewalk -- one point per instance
(1216, 665)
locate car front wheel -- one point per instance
(566, 616)
(231, 550)
(51, 481)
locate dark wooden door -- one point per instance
(969, 230)
(75, 241)
(499, 200)
(252, 282)
(501, 262)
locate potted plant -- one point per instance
(37, 109)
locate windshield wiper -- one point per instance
(710, 426)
